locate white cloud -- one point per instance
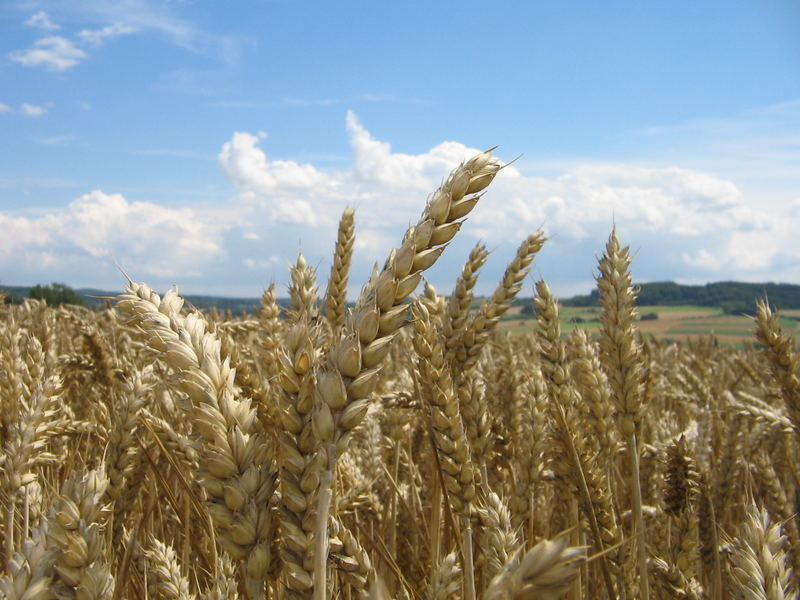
(288, 189)
(58, 53)
(41, 20)
(682, 223)
(54, 53)
(759, 148)
(63, 141)
(98, 229)
(685, 221)
(248, 165)
(95, 37)
(375, 161)
(387, 187)
(261, 264)
(670, 200)
(161, 19)
(32, 110)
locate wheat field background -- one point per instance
(406, 448)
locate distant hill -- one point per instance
(95, 298)
(730, 296)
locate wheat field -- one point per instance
(400, 449)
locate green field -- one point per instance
(679, 323)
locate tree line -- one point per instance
(730, 296)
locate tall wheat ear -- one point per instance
(351, 367)
(621, 355)
(336, 293)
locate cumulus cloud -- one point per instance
(687, 222)
(289, 190)
(375, 162)
(4, 108)
(248, 167)
(385, 184)
(97, 229)
(54, 53)
(672, 200)
(682, 223)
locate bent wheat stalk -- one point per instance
(353, 363)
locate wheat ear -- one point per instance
(673, 584)
(459, 302)
(271, 339)
(224, 586)
(29, 572)
(680, 497)
(238, 475)
(759, 560)
(272, 329)
(477, 420)
(165, 571)
(545, 572)
(498, 538)
(477, 331)
(33, 408)
(353, 362)
(445, 584)
(351, 559)
(592, 384)
(301, 467)
(75, 531)
(336, 293)
(621, 357)
(122, 453)
(575, 458)
(436, 389)
(782, 356)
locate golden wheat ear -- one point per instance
(336, 293)
(546, 571)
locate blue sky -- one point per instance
(204, 143)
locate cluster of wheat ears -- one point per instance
(398, 449)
